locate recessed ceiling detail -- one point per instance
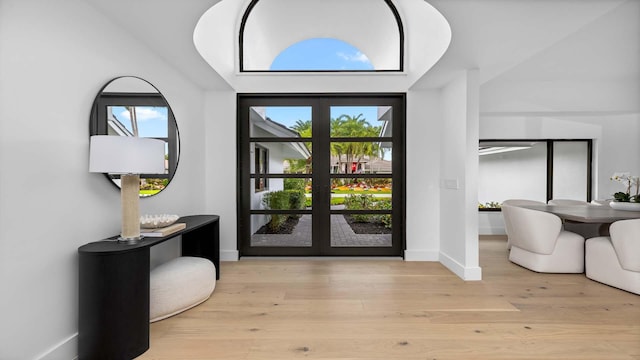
(270, 26)
(402, 39)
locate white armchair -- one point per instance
(539, 243)
(615, 260)
(505, 208)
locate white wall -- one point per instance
(490, 223)
(458, 178)
(221, 167)
(424, 120)
(617, 149)
(54, 58)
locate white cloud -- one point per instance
(357, 57)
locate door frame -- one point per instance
(321, 194)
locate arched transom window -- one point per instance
(321, 35)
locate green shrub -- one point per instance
(369, 202)
(360, 202)
(385, 219)
(283, 200)
(296, 201)
(334, 201)
(276, 200)
(294, 184)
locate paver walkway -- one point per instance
(341, 235)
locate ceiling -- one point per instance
(508, 41)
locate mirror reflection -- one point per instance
(131, 106)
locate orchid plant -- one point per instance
(630, 182)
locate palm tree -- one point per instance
(343, 126)
(357, 127)
(302, 126)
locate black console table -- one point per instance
(114, 288)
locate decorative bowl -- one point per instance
(157, 221)
(628, 206)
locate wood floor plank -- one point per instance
(367, 309)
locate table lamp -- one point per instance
(129, 157)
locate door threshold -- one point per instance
(323, 258)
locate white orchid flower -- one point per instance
(628, 180)
(621, 176)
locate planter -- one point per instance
(627, 206)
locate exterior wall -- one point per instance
(257, 221)
(276, 159)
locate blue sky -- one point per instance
(152, 120)
(320, 54)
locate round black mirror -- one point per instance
(131, 106)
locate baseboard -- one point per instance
(421, 255)
(465, 273)
(491, 231)
(229, 255)
(66, 349)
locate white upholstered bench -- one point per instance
(179, 285)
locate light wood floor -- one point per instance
(363, 309)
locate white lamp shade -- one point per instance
(126, 155)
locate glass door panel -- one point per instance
(296, 203)
(361, 206)
(280, 166)
(511, 170)
(570, 170)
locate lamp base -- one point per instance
(130, 193)
(131, 240)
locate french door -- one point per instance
(321, 175)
